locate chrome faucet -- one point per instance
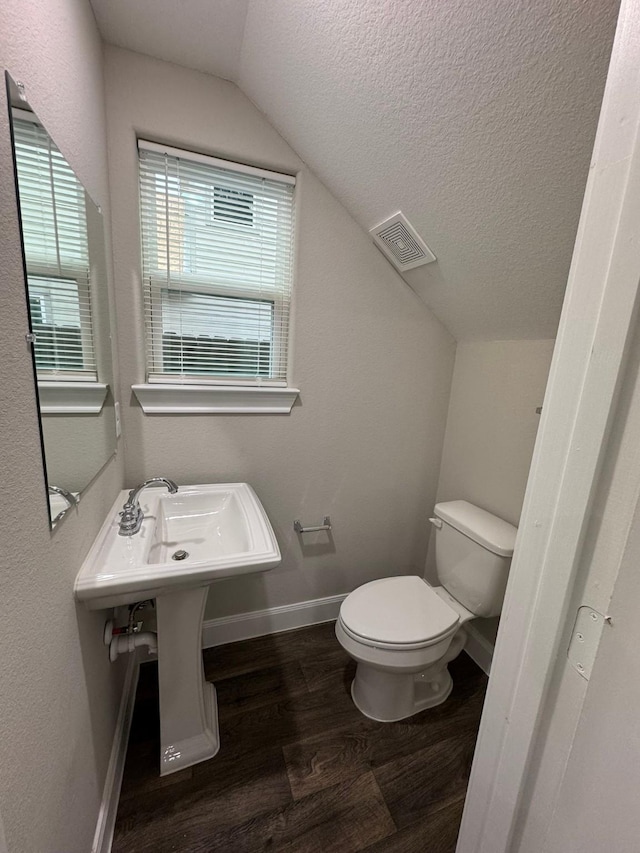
(131, 515)
(69, 497)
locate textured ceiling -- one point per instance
(476, 118)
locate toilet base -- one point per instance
(388, 693)
(387, 697)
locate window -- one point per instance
(54, 227)
(217, 268)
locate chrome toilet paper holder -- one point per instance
(326, 525)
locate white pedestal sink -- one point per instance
(224, 531)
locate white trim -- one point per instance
(145, 145)
(157, 399)
(71, 398)
(588, 361)
(258, 623)
(105, 826)
(236, 382)
(479, 649)
(25, 115)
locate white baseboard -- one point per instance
(111, 794)
(478, 648)
(258, 623)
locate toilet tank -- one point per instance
(473, 555)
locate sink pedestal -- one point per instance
(188, 705)
(223, 530)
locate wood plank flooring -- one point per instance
(300, 770)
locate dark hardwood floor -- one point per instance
(300, 769)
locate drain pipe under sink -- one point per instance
(125, 643)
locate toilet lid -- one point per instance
(398, 610)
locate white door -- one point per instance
(597, 808)
(583, 785)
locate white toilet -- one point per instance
(403, 632)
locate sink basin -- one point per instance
(186, 541)
(222, 527)
(208, 525)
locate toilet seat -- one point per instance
(401, 613)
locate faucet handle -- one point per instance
(130, 519)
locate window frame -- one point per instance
(68, 272)
(81, 277)
(155, 330)
(186, 282)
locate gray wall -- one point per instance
(77, 446)
(373, 364)
(491, 430)
(59, 695)
(492, 423)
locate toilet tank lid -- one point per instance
(483, 527)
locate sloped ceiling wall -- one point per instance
(475, 117)
(201, 34)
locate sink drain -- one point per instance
(180, 555)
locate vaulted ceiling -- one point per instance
(476, 118)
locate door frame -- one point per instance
(597, 321)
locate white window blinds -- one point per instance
(54, 228)
(217, 268)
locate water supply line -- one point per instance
(126, 640)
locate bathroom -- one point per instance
(410, 389)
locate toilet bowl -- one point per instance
(402, 632)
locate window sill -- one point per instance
(157, 399)
(72, 398)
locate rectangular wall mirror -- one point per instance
(68, 304)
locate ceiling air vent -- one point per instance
(401, 243)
